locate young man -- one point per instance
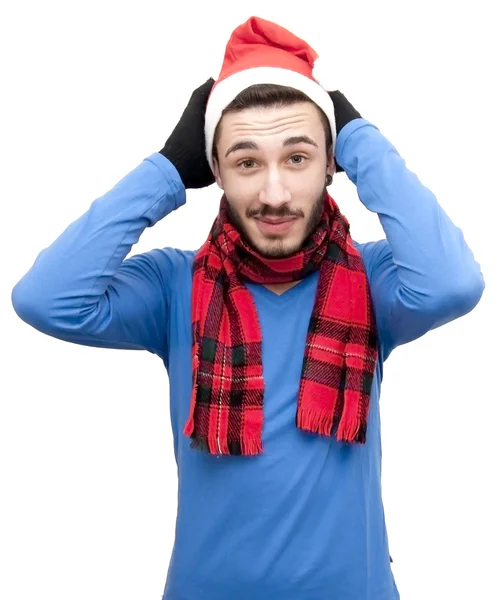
(274, 332)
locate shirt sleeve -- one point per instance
(81, 288)
(424, 274)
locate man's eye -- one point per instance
(247, 164)
(297, 159)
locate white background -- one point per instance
(88, 479)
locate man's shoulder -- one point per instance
(373, 253)
(172, 260)
(178, 257)
(368, 248)
(171, 266)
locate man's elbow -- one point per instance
(474, 292)
(462, 297)
(31, 305)
(21, 301)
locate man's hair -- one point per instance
(270, 95)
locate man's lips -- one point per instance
(274, 224)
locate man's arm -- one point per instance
(424, 274)
(81, 289)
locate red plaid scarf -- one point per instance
(226, 411)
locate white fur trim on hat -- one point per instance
(224, 92)
(322, 72)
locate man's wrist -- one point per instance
(344, 111)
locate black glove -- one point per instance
(185, 148)
(344, 112)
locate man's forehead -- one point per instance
(286, 121)
(273, 116)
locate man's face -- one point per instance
(272, 165)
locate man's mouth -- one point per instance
(275, 225)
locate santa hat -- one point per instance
(260, 51)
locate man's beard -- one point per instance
(278, 248)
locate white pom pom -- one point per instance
(322, 73)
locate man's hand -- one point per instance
(185, 148)
(344, 112)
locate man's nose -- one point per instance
(275, 192)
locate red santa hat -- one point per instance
(260, 51)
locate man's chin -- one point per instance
(275, 248)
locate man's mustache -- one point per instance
(270, 211)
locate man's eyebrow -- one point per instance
(299, 139)
(292, 141)
(241, 146)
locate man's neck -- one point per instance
(280, 288)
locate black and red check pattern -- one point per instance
(226, 412)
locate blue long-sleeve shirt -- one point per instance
(305, 519)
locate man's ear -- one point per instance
(331, 163)
(216, 173)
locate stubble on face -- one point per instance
(275, 246)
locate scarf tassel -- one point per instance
(350, 429)
(251, 447)
(312, 420)
(352, 425)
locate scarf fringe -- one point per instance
(348, 429)
(252, 447)
(316, 422)
(351, 427)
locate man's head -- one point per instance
(272, 151)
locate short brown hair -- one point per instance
(267, 95)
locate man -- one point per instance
(275, 331)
